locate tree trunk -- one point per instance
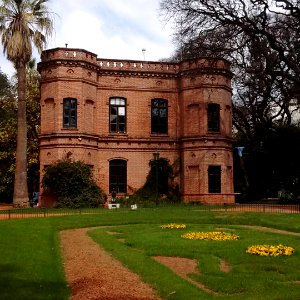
(20, 185)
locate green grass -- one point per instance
(31, 266)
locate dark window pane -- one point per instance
(163, 128)
(121, 127)
(113, 119)
(214, 179)
(113, 110)
(70, 113)
(121, 119)
(155, 103)
(163, 113)
(163, 103)
(113, 127)
(118, 175)
(213, 117)
(155, 112)
(72, 122)
(159, 116)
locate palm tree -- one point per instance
(23, 24)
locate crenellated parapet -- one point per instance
(73, 57)
(58, 54)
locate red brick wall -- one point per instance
(188, 86)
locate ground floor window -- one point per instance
(214, 179)
(118, 175)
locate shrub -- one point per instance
(159, 184)
(72, 184)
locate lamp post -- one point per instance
(144, 51)
(156, 158)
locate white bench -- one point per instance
(113, 205)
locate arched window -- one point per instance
(213, 117)
(70, 113)
(117, 115)
(118, 175)
(159, 116)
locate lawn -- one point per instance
(31, 266)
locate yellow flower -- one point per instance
(213, 236)
(270, 250)
(173, 226)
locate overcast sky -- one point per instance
(117, 29)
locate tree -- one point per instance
(7, 137)
(8, 131)
(23, 23)
(273, 169)
(261, 38)
(33, 121)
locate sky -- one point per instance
(117, 29)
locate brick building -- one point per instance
(114, 114)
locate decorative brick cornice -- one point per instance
(206, 139)
(125, 68)
(101, 139)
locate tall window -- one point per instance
(70, 113)
(118, 175)
(214, 179)
(117, 115)
(159, 116)
(213, 117)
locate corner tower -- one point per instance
(206, 131)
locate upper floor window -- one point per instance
(159, 116)
(214, 179)
(213, 117)
(117, 115)
(70, 113)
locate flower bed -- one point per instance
(212, 236)
(270, 250)
(173, 226)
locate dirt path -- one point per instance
(262, 228)
(183, 267)
(95, 275)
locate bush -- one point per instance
(72, 184)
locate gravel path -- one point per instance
(93, 274)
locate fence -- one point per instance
(8, 214)
(20, 213)
(267, 208)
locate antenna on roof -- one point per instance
(144, 52)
